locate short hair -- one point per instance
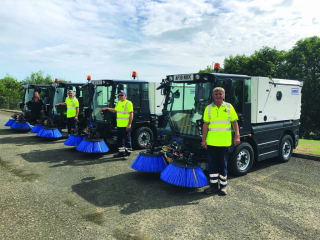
(70, 90)
(218, 89)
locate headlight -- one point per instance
(197, 77)
(170, 78)
(205, 78)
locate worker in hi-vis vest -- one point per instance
(124, 109)
(72, 110)
(218, 118)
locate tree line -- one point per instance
(11, 88)
(301, 62)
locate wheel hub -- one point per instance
(243, 159)
(144, 138)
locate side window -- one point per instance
(235, 98)
(145, 91)
(133, 94)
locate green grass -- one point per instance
(311, 147)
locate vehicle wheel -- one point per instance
(285, 148)
(242, 159)
(141, 137)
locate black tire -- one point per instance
(142, 136)
(285, 148)
(242, 159)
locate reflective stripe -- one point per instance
(219, 129)
(69, 108)
(121, 112)
(120, 148)
(123, 117)
(228, 110)
(219, 122)
(213, 181)
(214, 175)
(223, 183)
(222, 177)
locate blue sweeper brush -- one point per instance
(47, 132)
(150, 162)
(93, 146)
(24, 126)
(36, 128)
(74, 140)
(9, 123)
(184, 174)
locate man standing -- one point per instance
(216, 138)
(72, 110)
(124, 109)
(37, 106)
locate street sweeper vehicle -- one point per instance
(57, 120)
(268, 110)
(102, 128)
(24, 120)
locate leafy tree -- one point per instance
(303, 61)
(37, 78)
(9, 87)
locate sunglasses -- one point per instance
(120, 95)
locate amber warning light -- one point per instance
(217, 67)
(88, 77)
(56, 80)
(134, 74)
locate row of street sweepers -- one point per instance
(168, 120)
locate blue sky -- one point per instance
(109, 39)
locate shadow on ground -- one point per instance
(68, 156)
(136, 191)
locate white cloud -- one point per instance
(109, 39)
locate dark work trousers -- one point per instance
(124, 141)
(217, 165)
(71, 123)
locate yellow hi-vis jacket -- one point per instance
(123, 108)
(72, 104)
(219, 120)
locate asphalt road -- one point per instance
(51, 191)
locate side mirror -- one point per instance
(227, 85)
(176, 94)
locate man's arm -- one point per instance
(59, 104)
(109, 109)
(237, 134)
(130, 121)
(77, 113)
(204, 134)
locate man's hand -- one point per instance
(204, 144)
(57, 104)
(236, 140)
(128, 128)
(42, 111)
(102, 109)
(76, 118)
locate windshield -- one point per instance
(29, 95)
(58, 97)
(101, 98)
(186, 105)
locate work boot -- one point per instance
(223, 191)
(211, 190)
(119, 154)
(125, 157)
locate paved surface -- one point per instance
(51, 191)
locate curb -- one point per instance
(310, 157)
(10, 111)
